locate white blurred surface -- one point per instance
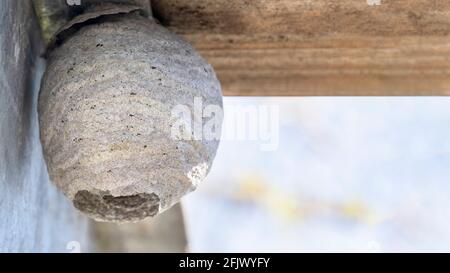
(349, 174)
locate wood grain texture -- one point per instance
(320, 47)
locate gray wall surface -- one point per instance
(34, 216)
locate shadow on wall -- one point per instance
(35, 217)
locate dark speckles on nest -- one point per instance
(127, 166)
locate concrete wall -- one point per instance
(34, 217)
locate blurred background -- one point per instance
(349, 174)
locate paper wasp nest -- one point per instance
(106, 118)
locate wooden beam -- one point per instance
(320, 47)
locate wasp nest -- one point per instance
(106, 120)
